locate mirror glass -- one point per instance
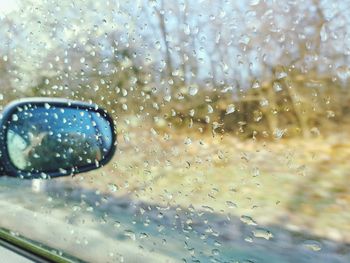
(47, 138)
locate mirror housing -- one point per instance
(47, 138)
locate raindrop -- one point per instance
(231, 204)
(187, 30)
(343, 72)
(330, 114)
(256, 85)
(248, 239)
(158, 45)
(278, 133)
(193, 90)
(154, 132)
(256, 172)
(254, 2)
(225, 67)
(112, 187)
(230, 109)
(208, 208)
(167, 98)
(248, 220)
(264, 103)
(131, 234)
(143, 235)
(323, 33)
(244, 39)
(215, 252)
(217, 125)
(257, 115)
(188, 141)
(15, 117)
(312, 245)
(280, 74)
(262, 233)
(277, 86)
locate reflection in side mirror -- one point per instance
(54, 137)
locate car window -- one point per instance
(232, 122)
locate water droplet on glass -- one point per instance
(143, 235)
(244, 39)
(277, 86)
(231, 204)
(167, 98)
(230, 109)
(215, 252)
(343, 72)
(312, 245)
(154, 132)
(157, 45)
(210, 109)
(187, 30)
(248, 239)
(193, 90)
(330, 114)
(131, 234)
(254, 2)
(262, 233)
(188, 141)
(256, 85)
(323, 33)
(264, 103)
(248, 220)
(278, 133)
(256, 172)
(280, 74)
(113, 187)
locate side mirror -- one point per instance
(45, 138)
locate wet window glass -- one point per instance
(232, 122)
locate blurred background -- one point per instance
(238, 110)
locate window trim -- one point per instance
(31, 249)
